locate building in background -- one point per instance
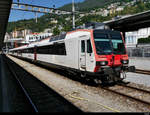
(132, 37)
(20, 33)
(26, 32)
(11, 42)
(36, 37)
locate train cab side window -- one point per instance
(82, 46)
(89, 47)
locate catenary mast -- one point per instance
(73, 13)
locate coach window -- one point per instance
(61, 49)
(19, 51)
(82, 46)
(31, 50)
(51, 49)
(89, 47)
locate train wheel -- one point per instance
(118, 77)
(83, 74)
(97, 81)
(108, 80)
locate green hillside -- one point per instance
(65, 21)
(43, 23)
(90, 4)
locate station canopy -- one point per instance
(5, 7)
(131, 23)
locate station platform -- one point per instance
(86, 97)
(140, 62)
(7, 90)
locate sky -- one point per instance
(19, 15)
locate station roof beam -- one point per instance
(5, 7)
(131, 23)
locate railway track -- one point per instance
(131, 92)
(147, 72)
(40, 97)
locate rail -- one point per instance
(130, 92)
(147, 72)
(40, 97)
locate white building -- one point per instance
(36, 37)
(54, 21)
(144, 33)
(16, 34)
(21, 33)
(132, 37)
(120, 8)
(26, 32)
(7, 37)
(105, 13)
(47, 30)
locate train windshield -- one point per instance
(109, 43)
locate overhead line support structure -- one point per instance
(38, 9)
(73, 13)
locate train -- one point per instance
(93, 54)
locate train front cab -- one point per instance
(105, 55)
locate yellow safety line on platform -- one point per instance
(80, 98)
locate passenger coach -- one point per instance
(99, 55)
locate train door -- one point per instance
(35, 53)
(90, 62)
(82, 54)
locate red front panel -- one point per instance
(113, 60)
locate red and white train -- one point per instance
(94, 54)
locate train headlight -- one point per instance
(124, 61)
(101, 63)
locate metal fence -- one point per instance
(139, 52)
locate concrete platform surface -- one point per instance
(140, 63)
(87, 98)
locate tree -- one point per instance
(144, 40)
(56, 31)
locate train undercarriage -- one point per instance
(108, 75)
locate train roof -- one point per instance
(62, 37)
(46, 41)
(106, 31)
(32, 44)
